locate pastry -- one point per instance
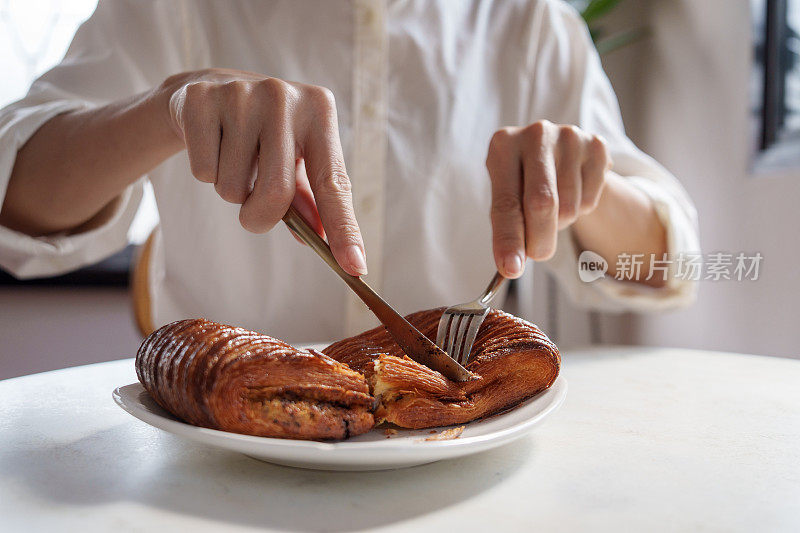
(232, 379)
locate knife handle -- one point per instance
(410, 340)
(295, 221)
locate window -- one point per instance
(776, 84)
(34, 35)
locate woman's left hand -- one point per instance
(544, 176)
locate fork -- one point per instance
(459, 324)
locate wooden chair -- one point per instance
(140, 287)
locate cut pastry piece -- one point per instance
(232, 379)
(513, 358)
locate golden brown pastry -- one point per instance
(236, 380)
(513, 359)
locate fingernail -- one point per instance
(513, 264)
(356, 259)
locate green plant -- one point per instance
(592, 12)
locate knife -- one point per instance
(416, 345)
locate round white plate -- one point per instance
(371, 451)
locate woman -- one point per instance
(442, 111)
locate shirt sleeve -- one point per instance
(113, 55)
(570, 86)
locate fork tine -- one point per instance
(459, 324)
(458, 349)
(474, 326)
(441, 334)
(453, 329)
(466, 320)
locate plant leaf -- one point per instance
(597, 8)
(596, 34)
(619, 40)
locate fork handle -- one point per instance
(491, 290)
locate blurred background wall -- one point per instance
(686, 94)
(45, 328)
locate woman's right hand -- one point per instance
(265, 144)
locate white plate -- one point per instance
(370, 451)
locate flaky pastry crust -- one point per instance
(513, 359)
(232, 379)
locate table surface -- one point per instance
(647, 440)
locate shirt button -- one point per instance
(367, 204)
(368, 16)
(370, 110)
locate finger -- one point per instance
(238, 154)
(569, 157)
(198, 117)
(296, 237)
(274, 187)
(540, 193)
(508, 222)
(332, 191)
(596, 163)
(304, 199)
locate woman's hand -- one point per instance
(265, 144)
(544, 176)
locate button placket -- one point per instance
(367, 167)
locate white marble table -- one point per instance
(647, 440)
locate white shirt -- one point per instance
(420, 88)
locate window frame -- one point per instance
(773, 155)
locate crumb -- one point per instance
(389, 432)
(448, 434)
(432, 432)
